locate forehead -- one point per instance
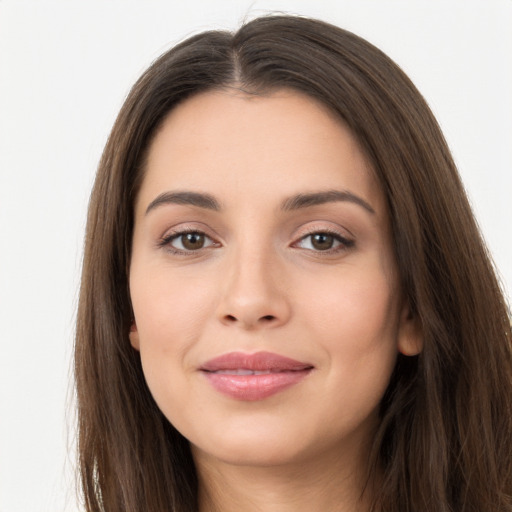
(273, 145)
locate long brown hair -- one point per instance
(445, 437)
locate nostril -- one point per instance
(231, 319)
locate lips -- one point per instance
(254, 376)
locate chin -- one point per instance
(255, 453)
(250, 441)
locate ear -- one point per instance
(410, 333)
(134, 336)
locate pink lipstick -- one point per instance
(254, 376)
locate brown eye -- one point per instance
(192, 241)
(188, 241)
(322, 241)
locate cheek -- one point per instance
(171, 314)
(357, 326)
(170, 311)
(361, 300)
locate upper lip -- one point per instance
(260, 361)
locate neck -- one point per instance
(331, 484)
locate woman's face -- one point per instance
(263, 283)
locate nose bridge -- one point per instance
(254, 295)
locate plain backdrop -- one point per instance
(65, 68)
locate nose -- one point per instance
(254, 295)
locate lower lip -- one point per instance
(255, 387)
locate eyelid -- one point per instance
(345, 242)
(164, 242)
(340, 234)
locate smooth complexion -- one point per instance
(259, 228)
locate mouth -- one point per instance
(253, 377)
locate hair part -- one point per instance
(445, 438)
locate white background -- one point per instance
(65, 68)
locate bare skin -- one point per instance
(259, 228)
(329, 484)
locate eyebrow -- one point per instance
(187, 198)
(329, 196)
(296, 202)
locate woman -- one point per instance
(286, 303)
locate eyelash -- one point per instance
(344, 243)
(166, 241)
